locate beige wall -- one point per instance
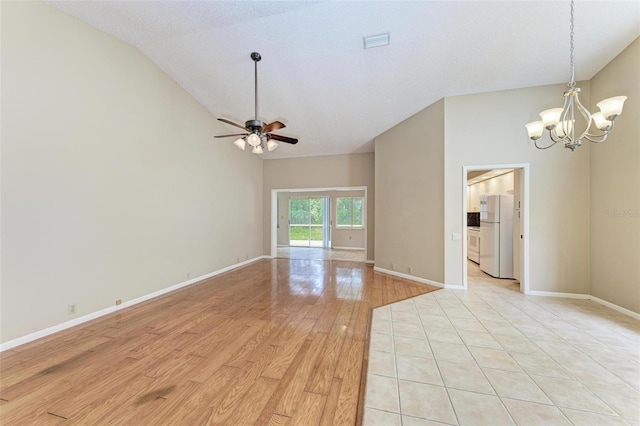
(559, 182)
(409, 195)
(615, 187)
(112, 185)
(335, 171)
(340, 237)
(583, 205)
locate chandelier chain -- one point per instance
(572, 81)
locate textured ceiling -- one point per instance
(332, 94)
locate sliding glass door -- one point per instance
(309, 223)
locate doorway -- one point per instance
(511, 180)
(340, 242)
(309, 222)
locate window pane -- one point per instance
(344, 211)
(357, 211)
(316, 211)
(299, 232)
(299, 211)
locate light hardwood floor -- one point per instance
(276, 342)
(321, 254)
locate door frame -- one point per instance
(525, 265)
(274, 212)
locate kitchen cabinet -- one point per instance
(473, 202)
(517, 189)
(503, 184)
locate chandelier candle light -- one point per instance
(560, 122)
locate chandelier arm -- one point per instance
(590, 138)
(535, 142)
(566, 109)
(587, 116)
(599, 138)
(553, 135)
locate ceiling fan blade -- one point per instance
(272, 127)
(228, 136)
(285, 139)
(233, 124)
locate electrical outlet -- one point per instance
(188, 275)
(393, 266)
(410, 270)
(246, 257)
(118, 302)
(71, 309)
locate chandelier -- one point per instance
(560, 122)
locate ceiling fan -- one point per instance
(258, 134)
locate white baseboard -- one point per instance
(454, 286)
(370, 262)
(408, 277)
(348, 248)
(554, 294)
(97, 314)
(616, 307)
(586, 297)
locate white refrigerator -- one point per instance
(496, 235)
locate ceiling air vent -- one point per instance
(376, 40)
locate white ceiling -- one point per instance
(337, 97)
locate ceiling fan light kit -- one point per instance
(259, 135)
(240, 143)
(560, 122)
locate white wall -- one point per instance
(615, 187)
(112, 185)
(334, 171)
(340, 237)
(559, 184)
(409, 195)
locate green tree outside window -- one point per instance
(349, 212)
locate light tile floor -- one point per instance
(493, 356)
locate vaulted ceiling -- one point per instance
(335, 96)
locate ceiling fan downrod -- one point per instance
(256, 58)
